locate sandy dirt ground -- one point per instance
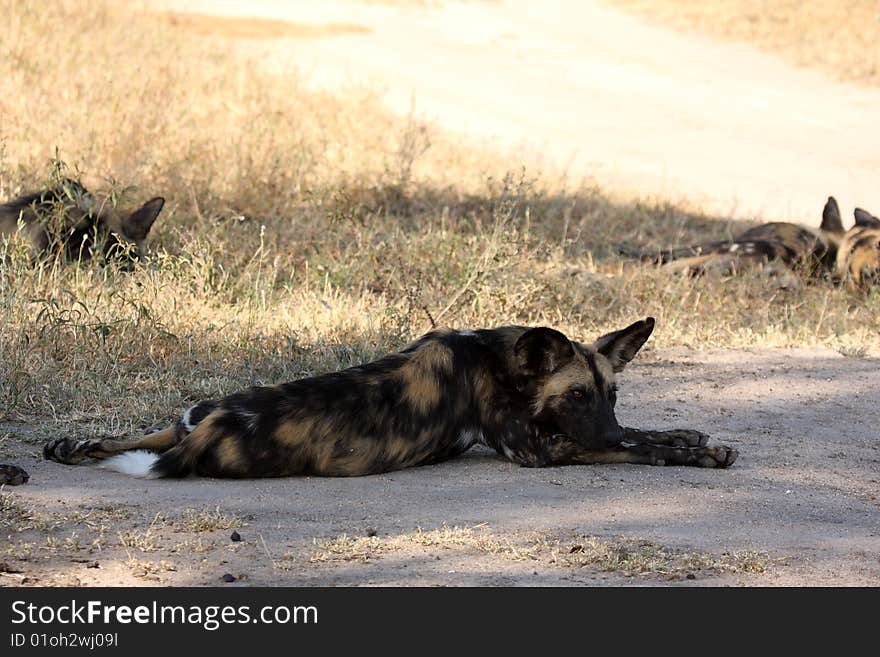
(635, 106)
(800, 507)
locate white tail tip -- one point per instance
(135, 464)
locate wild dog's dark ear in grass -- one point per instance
(73, 189)
(542, 350)
(621, 346)
(866, 219)
(139, 222)
(831, 221)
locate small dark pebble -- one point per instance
(371, 531)
(691, 576)
(236, 537)
(228, 578)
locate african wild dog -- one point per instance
(68, 220)
(533, 395)
(858, 253)
(787, 245)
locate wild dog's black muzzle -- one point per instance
(612, 437)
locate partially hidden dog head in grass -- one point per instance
(573, 385)
(67, 220)
(858, 249)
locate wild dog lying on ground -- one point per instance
(848, 256)
(70, 221)
(533, 395)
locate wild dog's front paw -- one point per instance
(67, 451)
(12, 475)
(720, 456)
(686, 438)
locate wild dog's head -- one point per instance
(858, 249)
(90, 228)
(858, 257)
(572, 386)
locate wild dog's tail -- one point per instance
(137, 463)
(176, 463)
(668, 255)
(180, 456)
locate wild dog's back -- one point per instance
(25, 213)
(414, 407)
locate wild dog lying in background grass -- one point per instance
(533, 395)
(69, 221)
(846, 256)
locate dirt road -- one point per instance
(800, 507)
(635, 106)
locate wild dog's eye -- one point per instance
(577, 393)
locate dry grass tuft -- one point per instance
(206, 520)
(17, 517)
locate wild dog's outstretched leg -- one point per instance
(568, 453)
(12, 475)
(71, 452)
(671, 438)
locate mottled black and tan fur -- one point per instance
(533, 395)
(858, 254)
(68, 220)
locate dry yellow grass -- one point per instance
(839, 37)
(306, 232)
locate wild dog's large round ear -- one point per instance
(866, 219)
(831, 221)
(541, 351)
(621, 346)
(139, 222)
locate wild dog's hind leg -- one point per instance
(670, 438)
(71, 452)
